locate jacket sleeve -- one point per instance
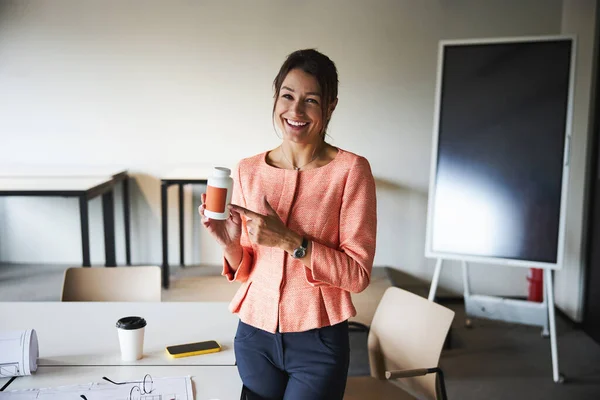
(349, 267)
(243, 270)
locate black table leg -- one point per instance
(127, 221)
(85, 230)
(181, 239)
(165, 242)
(108, 213)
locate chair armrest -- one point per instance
(407, 373)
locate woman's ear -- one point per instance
(331, 108)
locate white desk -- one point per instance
(84, 189)
(82, 333)
(59, 171)
(221, 383)
(84, 182)
(36, 184)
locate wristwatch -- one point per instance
(300, 252)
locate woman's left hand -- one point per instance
(265, 230)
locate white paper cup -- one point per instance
(131, 337)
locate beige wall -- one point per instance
(151, 84)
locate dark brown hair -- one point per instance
(318, 65)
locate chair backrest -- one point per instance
(408, 332)
(112, 284)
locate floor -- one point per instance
(490, 360)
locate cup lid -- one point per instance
(130, 323)
(221, 172)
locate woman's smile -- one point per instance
(296, 124)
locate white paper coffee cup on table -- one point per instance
(131, 337)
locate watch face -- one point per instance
(299, 252)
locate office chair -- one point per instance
(405, 342)
(141, 284)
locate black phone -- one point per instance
(193, 349)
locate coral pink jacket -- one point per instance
(334, 206)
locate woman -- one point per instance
(300, 238)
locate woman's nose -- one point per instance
(298, 107)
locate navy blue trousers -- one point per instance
(308, 365)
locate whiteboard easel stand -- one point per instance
(510, 310)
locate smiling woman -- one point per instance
(318, 73)
(300, 238)
(305, 98)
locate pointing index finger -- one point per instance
(244, 211)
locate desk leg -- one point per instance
(108, 212)
(126, 216)
(165, 242)
(181, 238)
(85, 230)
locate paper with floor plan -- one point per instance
(177, 388)
(18, 353)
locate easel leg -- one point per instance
(545, 329)
(556, 376)
(432, 290)
(466, 290)
(435, 280)
(466, 284)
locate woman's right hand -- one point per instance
(226, 232)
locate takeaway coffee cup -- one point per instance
(131, 337)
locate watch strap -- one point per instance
(304, 244)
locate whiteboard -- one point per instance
(500, 151)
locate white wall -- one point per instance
(151, 84)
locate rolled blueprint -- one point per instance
(18, 353)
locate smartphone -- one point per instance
(193, 349)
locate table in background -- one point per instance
(84, 189)
(180, 177)
(83, 333)
(209, 382)
(119, 175)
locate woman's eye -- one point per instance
(287, 96)
(312, 101)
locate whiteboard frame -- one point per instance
(429, 252)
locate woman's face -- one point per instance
(298, 109)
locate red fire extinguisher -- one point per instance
(536, 285)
